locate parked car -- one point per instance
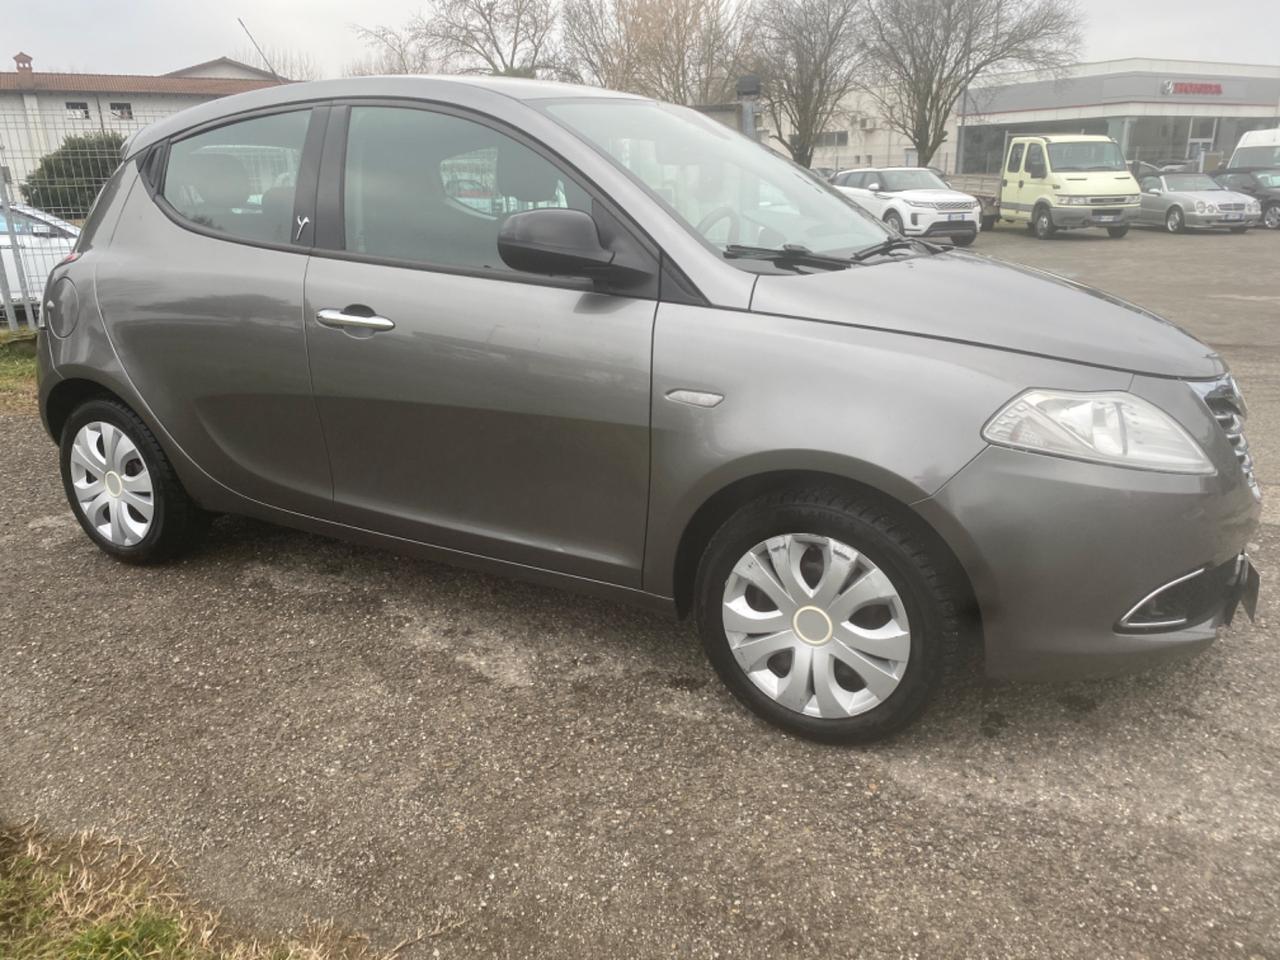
(1058, 182)
(676, 371)
(1262, 185)
(42, 240)
(1257, 149)
(913, 201)
(1179, 201)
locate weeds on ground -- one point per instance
(17, 372)
(90, 898)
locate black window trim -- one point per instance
(677, 288)
(307, 170)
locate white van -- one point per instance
(1257, 148)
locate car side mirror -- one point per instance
(1036, 171)
(1155, 192)
(873, 187)
(563, 243)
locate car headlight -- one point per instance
(1253, 206)
(919, 203)
(1114, 428)
(1073, 201)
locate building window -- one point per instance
(122, 111)
(832, 138)
(77, 110)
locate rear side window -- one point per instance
(239, 179)
(435, 188)
(1015, 158)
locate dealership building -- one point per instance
(1157, 110)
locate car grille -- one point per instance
(954, 204)
(1231, 206)
(1226, 403)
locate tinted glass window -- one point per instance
(1015, 158)
(435, 188)
(240, 178)
(1035, 156)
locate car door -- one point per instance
(466, 405)
(1032, 188)
(868, 198)
(1153, 203)
(1011, 184)
(201, 289)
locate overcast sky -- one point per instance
(155, 36)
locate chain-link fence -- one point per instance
(51, 168)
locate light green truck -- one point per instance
(1055, 182)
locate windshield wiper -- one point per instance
(789, 254)
(890, 244)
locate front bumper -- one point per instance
(1060, 551)
(1207, 220)
(931, 223)
(1119, 215)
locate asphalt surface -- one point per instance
(317, 730)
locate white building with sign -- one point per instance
(1157, 110)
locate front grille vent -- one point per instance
(954, 204)
(1231, 206)
(1226, 403)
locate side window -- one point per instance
(435, 188)
(857, 180)
(240, 178)
(1150, 183)
(1015, 158)
(1035, 156)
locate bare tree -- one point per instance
(502, 37)
(923, 54)
(391, 50)
(289, 64)
(809, 58)
(601, 43)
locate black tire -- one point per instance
(963, 240)
(1042, 223)
(894, 223)
(1271, 217)
(989, 221)
(1175, 221)
(177, 522)
(1115, 233)
(930, 591)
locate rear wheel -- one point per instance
(1174, 221)
(1042, 223)
(1115, 233)
(1271, 217)
(825, 614)
(122, 488)
(894, 222)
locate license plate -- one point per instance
(1235, 216)
(955, 216)
(1105, 217)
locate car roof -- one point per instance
(421, 87)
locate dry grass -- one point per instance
(17, 372)
(95, 898)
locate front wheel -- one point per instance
(1174, 221)
(1115, 233)
(894, 222)
(1042, 224)
(825, 615)
(122, 488)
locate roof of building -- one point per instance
(26, 79)
(199, 69)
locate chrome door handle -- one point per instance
(338, 319)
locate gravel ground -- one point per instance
(320, 730)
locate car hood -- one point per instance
(1209, 196)
(971, 299)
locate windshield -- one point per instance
(1191, 181)
(1256, 156)
(727, 189)
(1085, 155)
(893, 180)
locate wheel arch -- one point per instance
(716, 508)
(66, 395)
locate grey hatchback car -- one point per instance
(610, 345)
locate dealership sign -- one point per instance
(1188, 88)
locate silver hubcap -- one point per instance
(1174, 221)
(816, 626)
(112, 484)
(1272, 217)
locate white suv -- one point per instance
(913, 201)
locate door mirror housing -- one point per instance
(560, 242)
(1036, 171)
(873, 187)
